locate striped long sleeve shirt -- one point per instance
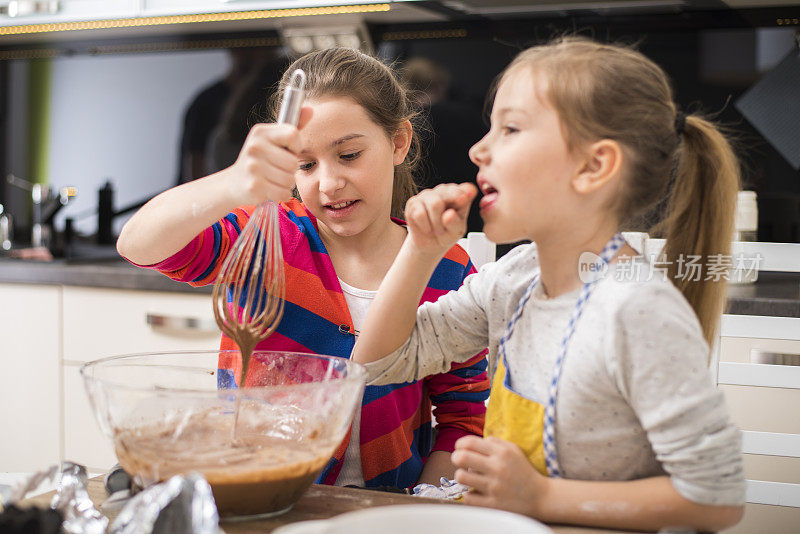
(396, 434)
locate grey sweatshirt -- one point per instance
(636, 397)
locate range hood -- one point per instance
(26, 22)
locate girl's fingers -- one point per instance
(276, 157)
(417, 216)
(440, 211)
(458, 200)
(284, 136)
(474, 498)
(467, 459)
(475, 480)
(468, 194)
(433, 208)
(457, 196)
(283, 160)
(452, 222)
(475, 444)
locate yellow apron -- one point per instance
(524, 422)
(512, 417)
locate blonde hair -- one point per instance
(603, 91)
(344, 72)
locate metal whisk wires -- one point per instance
(249, 291)
(250, 288)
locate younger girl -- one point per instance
(602, 409)
(350, 162)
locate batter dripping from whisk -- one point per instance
(253, 271)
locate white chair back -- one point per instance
(479, 248)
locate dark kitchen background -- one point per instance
(111, 116)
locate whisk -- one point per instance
(249, 291)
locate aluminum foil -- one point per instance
(181, 505)
(71, 499)
(449, 489)
(31, 483)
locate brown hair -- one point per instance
(374, 86)
(603, 91)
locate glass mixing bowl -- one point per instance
(259, 447)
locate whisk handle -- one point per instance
(292, 99)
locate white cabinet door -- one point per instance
(106, 322)
(187, 7)
(84, 443)
(761, 410)
(96, 9)
(29, 359)
(33, 12)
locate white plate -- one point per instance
(402, 519)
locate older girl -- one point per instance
(351, 164)
(602, 409)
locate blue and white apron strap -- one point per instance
(548, 437)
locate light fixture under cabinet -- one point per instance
(303, 40)
(228, 16)
(21, 8)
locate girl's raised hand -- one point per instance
(267, 162)
(437, 217)
(499, 475)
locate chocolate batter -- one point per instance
(265, 469)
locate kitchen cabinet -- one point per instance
(32, 12)
(29, 358)
(49, 331)
(102, 322)
(86, 10)
(92, 9)
(182, 7)
(766, 414)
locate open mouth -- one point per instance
(489, 196)
(340, 207)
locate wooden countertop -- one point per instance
(319, 502)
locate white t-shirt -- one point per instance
(358, 302)
(636, 398)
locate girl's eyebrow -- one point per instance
(345, 139)
(340, 141)
(509, 109)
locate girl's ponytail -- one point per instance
(700, 220)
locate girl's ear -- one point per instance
(402, 142)
(601, 164)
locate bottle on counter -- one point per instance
(6, 230)
(746, 225)
(745, 229)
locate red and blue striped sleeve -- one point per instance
(199, 262)
(458, 396)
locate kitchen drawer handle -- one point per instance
(181, 323)
(774, 358)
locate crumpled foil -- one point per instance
(71, 499)
(183, 504)
(449, 489)
(31, 483)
